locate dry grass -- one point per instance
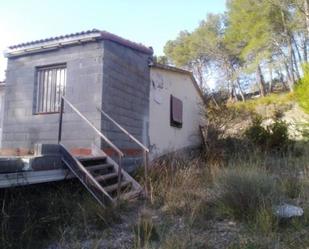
(272, 102)
(179, 186)
(245, 193)
(191, 203)
(34, 216)
(245, 187)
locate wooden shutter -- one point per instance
(176, 112)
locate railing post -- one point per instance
(146, 172)
(60, 119)
(119, 177)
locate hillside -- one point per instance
(284, 106)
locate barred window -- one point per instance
(50, 87)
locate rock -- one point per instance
(288, 211)
(232, 223)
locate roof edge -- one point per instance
(170, 68)
(70, 39)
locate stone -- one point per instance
(288, 211)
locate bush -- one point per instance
(272, 138)
(302, 89)
(256, 133)
(278, 138)
(243, 193)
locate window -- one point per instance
(50, 87)
(176, 112)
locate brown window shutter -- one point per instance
(176, 112)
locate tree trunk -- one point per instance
(297, 49)
(231, 92)
(270, 68)
(200, 75)
(306, 9)
(260, 80)
(305, 55)
(295, 64)
(289, 78)
(290, 48)
(240, 90)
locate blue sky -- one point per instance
(149, 22)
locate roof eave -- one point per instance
(72, 39)
(50, 45)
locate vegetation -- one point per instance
(36, 216)
(254, 45)
(274, 137)
(282, 102)
(302, 89)
(223, 197)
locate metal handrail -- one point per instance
(146, 150)
(114, 147)
(119, 152)
(123, 129)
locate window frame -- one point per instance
(36, 96)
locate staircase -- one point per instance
(101, 177)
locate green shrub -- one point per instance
(302, 89)
(278, 138)
(272, 138)
(256, 133)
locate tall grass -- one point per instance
(179, 186)
(35, 216)
(244, 192)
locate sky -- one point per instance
(151, 23)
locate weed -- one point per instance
(145, 231)
(243, 192)
(38, 214)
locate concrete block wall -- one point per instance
(22, 128)
(125, 97)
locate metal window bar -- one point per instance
(145, 149)
(114, 147)
(50, 87)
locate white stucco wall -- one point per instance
(163, 137)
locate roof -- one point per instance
(79, 37)
(182, 71)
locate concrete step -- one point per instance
(97, 167)
(106, 177)
(91, 161)
(113, 187)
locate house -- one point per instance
(94, 92)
